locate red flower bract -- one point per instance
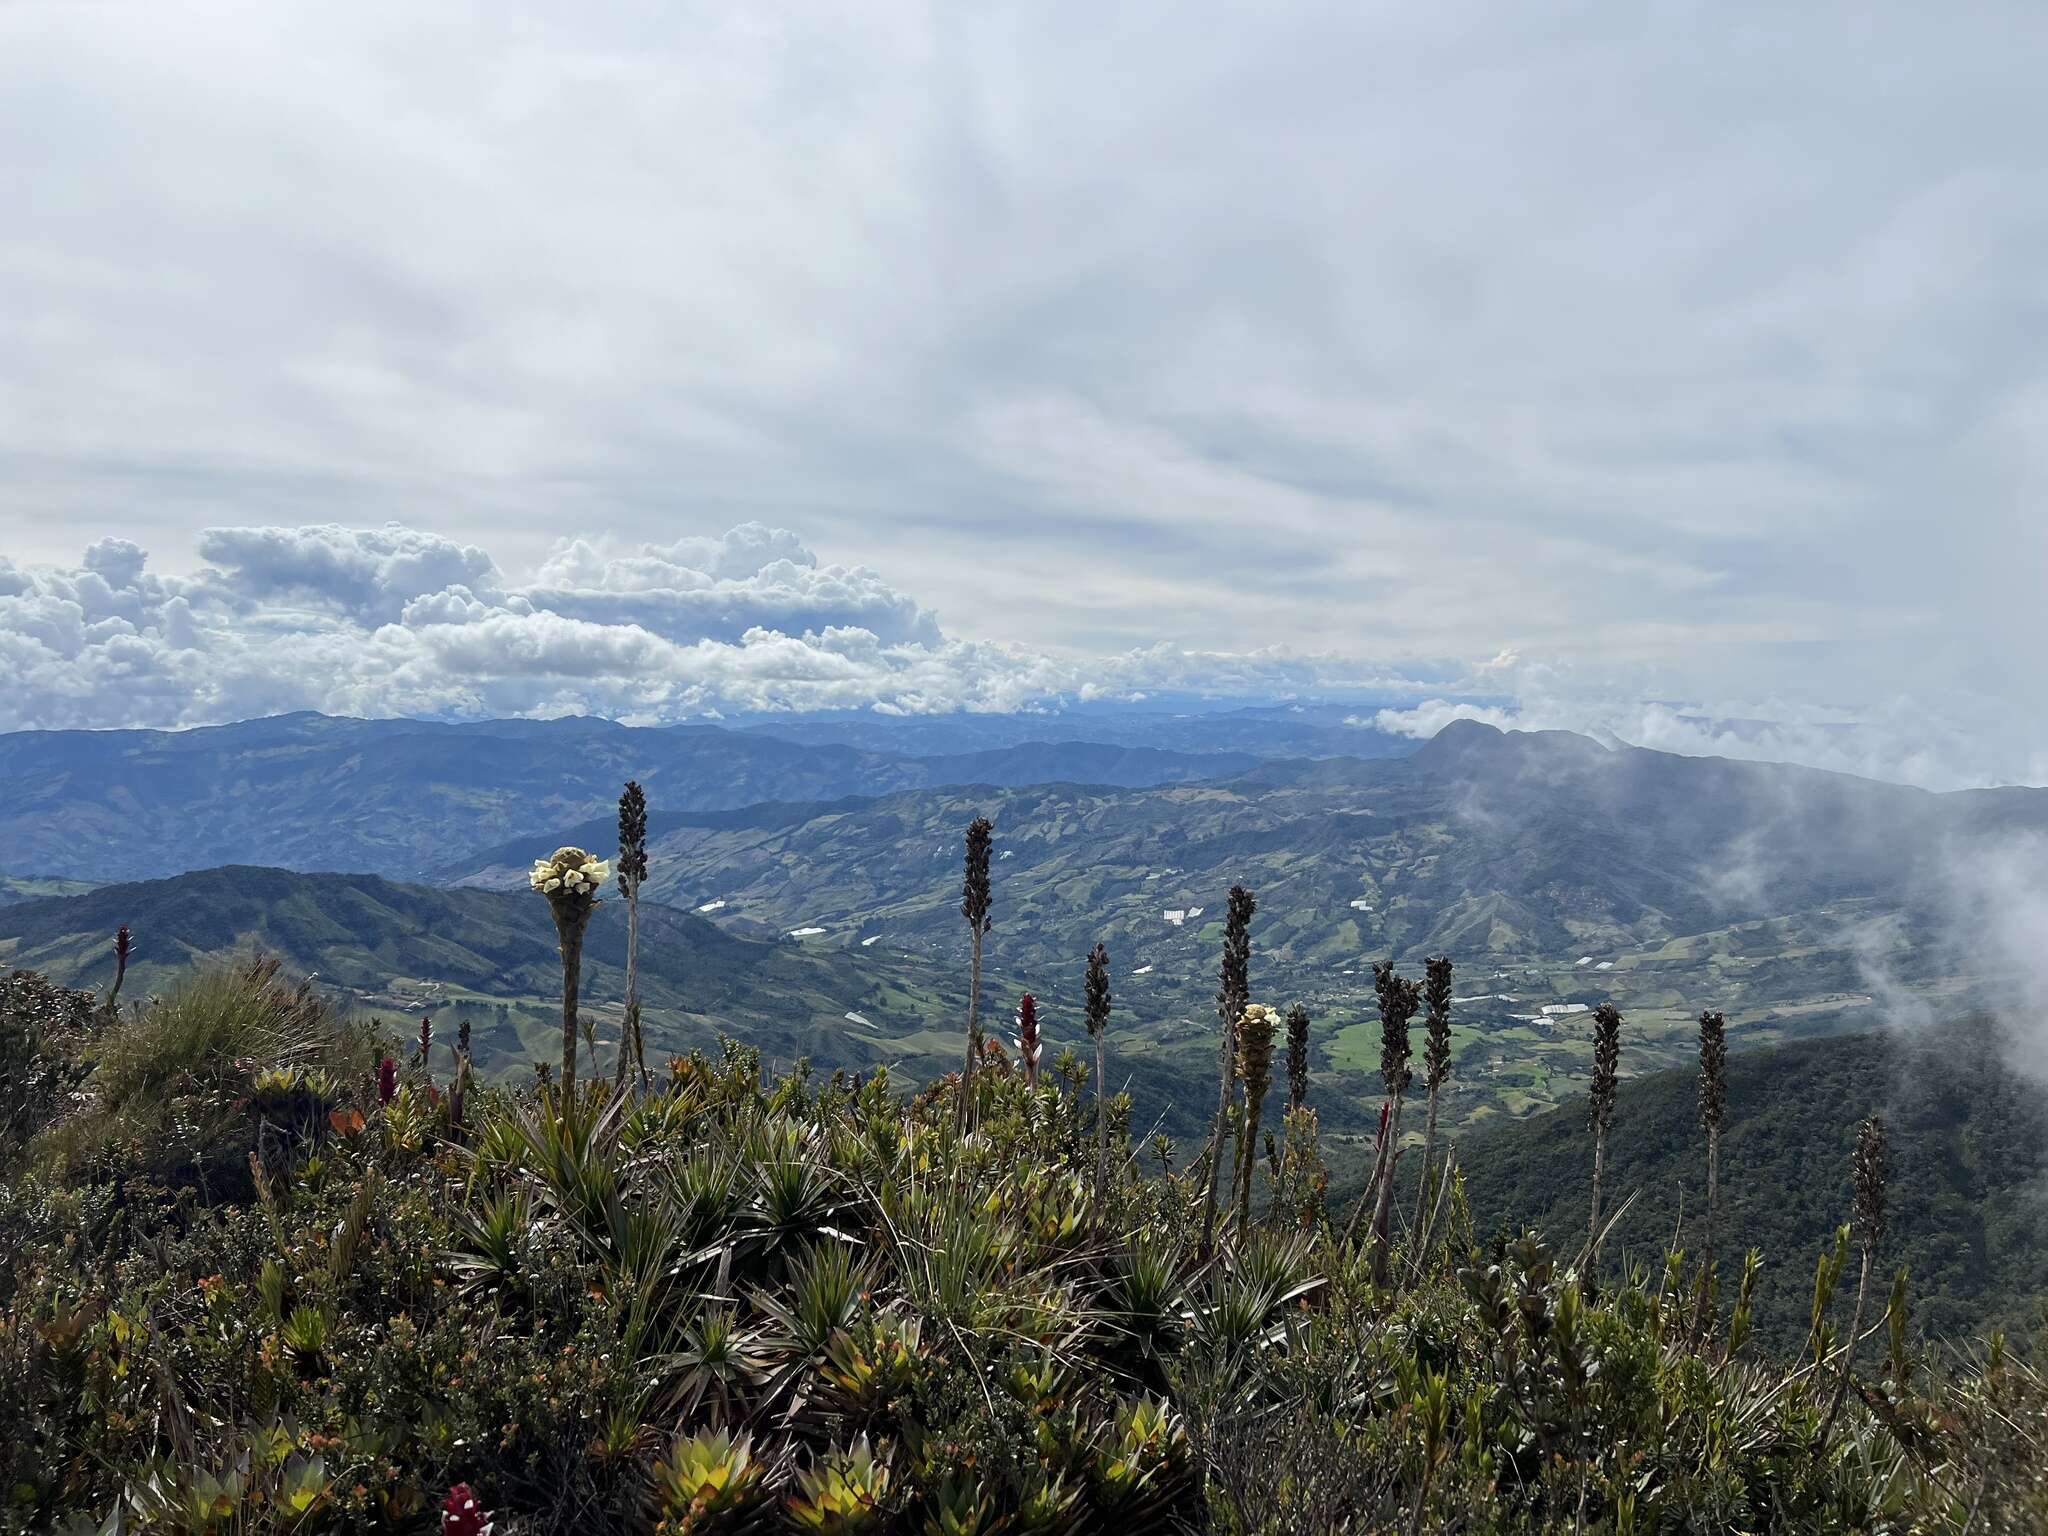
(462, 1515)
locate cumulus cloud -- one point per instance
(368, 574)
(719, 588)
(395, 621)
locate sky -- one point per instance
(1667, 371)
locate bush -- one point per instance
(175, 1091)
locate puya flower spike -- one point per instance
(569, 878)
(1029, 1046)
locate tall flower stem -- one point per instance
(1713, 1110)
(1255, 1027)
(974, 906)
(1868, 1174)
(570, 926)
(569, 879)
(1436, 1059)
(1029, 1044)
(1297, 1058)
(1398, 999)
(124, 946)
(1600, 1106)
(1098, 1027)
(1232, 995)
(632, 868)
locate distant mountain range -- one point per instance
(398, 951)
(1556, 871)
(404, 798)
(1184, 725)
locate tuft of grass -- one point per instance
(165, 1080)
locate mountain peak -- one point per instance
(1469, 744)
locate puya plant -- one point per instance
(569, 878)
(632, 871)
(1600, 1105)
(1713, 1110)
(1255, 1030)
(1398, 998)
(1030, 1044)
(1096, 989)
(1868, 1175)
(1436, 1062)
(975, 899)
(1233, 995)
(1297, 1057)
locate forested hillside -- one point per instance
(1969, 1165)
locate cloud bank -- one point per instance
(1698, 361)
(396, 621)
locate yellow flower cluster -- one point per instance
(570, 872)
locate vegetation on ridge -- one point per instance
(254, 1279)
(262, 1269)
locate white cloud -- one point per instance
(717, 588)
(369, 622)
(1907, 743)
(1694, 360)
(366, 573)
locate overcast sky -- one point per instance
(1631, 362)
